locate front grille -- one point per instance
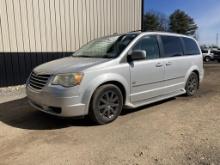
(38, 81)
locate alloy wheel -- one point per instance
(192, 84)
(108, 104)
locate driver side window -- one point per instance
(150, 45)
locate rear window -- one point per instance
(172, 46)
(190, 47)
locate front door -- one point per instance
(147, 75)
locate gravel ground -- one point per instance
(11, 93)
(181, 130)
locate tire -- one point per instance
(106, 104)
(192, 84)
(207, 59)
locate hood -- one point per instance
(68, 65)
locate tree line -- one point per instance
(178, 22)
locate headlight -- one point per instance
(68, 79)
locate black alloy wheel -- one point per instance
(106, 104)
(192, 84)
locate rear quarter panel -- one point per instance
(196, 62)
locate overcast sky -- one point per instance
(206, 14)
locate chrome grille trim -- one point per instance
(38, 81)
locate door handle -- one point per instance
(169, 63)
(159, 65)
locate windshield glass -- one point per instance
(106, 47)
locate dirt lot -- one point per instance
(176, 131)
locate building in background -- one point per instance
(36, 31)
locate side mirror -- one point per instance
(136, 55)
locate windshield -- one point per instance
(106, 47)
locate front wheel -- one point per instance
(192, 84)
(106, 104)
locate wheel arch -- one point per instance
(194, 69)
(119, 85)
(197, 72)
(118, 81)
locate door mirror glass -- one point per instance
(136, 55)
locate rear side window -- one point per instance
(172, 46)
(190, 47)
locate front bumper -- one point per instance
(50, 102)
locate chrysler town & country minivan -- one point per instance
(114, 72)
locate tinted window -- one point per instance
(172, 46)
(150, 45)
(191, 48)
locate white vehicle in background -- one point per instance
(207, 55)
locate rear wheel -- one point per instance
(106, 104)
(207, 59)
(192, 84)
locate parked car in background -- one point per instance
(128, 70)
(207, 55)
(216, 55)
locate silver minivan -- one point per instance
(114, 72)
